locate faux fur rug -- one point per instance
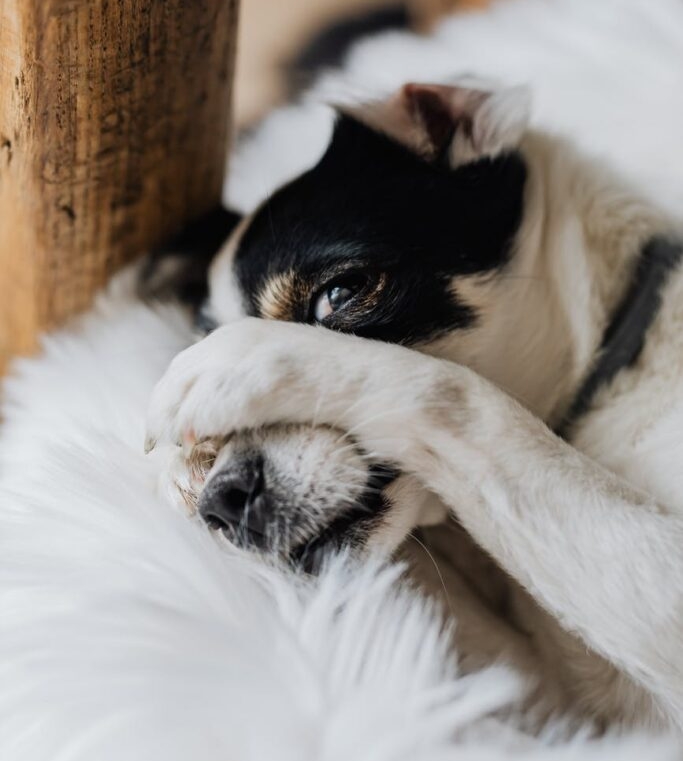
(128, 632)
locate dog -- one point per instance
(454, 317)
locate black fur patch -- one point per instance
(179, 269)
(373, 212)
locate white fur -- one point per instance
(126, 632)
(582, 229)
(598, 550)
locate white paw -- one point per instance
(256, 372)
(214, 387)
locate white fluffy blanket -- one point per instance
(127, 632)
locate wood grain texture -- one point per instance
(113, 134)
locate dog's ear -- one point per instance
(459, 123)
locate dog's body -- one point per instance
(508, 303)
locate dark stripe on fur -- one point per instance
(625, 335)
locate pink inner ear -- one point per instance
(438, 109)
(431, 114)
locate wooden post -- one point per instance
(427, 13)
(114, 122)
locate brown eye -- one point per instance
(332, 299)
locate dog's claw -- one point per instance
(189, 440)
(150, 443)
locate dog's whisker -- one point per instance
(412, 536)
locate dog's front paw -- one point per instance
(215, 386)
(256, 372)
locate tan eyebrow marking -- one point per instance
(280, 296)
(476, 291)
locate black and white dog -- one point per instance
(464, 318)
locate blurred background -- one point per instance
(273, 33)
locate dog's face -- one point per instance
(414, 197)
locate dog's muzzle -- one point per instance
(238, 502)
(295, 492)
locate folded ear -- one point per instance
(460, 123)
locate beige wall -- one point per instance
(271, 30)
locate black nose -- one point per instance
(236, 499)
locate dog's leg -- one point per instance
(603, 558)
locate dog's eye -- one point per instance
(332, 299)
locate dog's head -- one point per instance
(414, 197)
(417, 201)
